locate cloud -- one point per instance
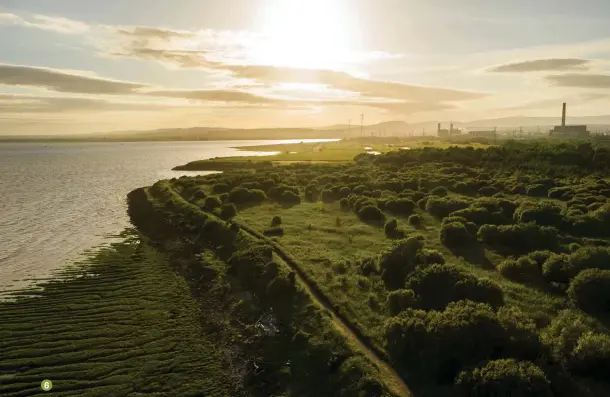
(185, 59)
(216, 95)
(346, 82)
(580, 80)
(63, 81)
(541, 65)
(45, 22)
(151, 32)
(230, 96)
(13, 103)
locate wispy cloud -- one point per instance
(14, 103)
(580, 80)
(45, 22)
(63, 81)
(542, 65)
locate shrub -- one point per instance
(437, 285)
(591, 258)
(400, 300)
(590, 290)
(440, 191)
(442, 207)
(564, 332)
(429, 257)
(198, 195)
(481, 215)
(488, 191)
(228, 211)
(591, 356)
(520, 238)
(256, 196)
(537, 190)
(522, 270)
(211, 203)
(400, 206)
(423, 202)
(327, 196)
(344, 204)
(540, 257)
(396, 262)
(559, 269)
(239, 195)
(220, 188)
(391, 227)
(371, 213)
(504, 378)
(415, 220)
(276, 220)
(455, 235)
(274, 231)
(442, 343)
(543, 213)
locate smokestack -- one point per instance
(438, 128)
(563, 116)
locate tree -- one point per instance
(504, 378)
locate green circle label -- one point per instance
(46, 385)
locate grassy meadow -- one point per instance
(473, 271)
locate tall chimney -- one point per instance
(563, 116)
(438, 127)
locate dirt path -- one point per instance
(358, 342)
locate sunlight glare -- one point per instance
(304, 34)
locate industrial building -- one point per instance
(482, 134)
(568, 131)
(443, 133)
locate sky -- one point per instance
(83, 66)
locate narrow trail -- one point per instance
(353, 335)
(358, 341)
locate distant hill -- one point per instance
(388, 128)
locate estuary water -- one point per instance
(59, 199)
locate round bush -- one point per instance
(559, 269)
(488, 191)
(276, 220)
(344, 204)
(400, 300)
(327, 196)
(211, 203)
(415, 220)
(400, 206)
(397, 261)
(440, 191)
(537, 190)
(590, 290)
(371, 213)
(591, 356)
(228, 211)
(220, 188)
(437, 285)
(391, 227)
(522, 270)
(504, 378)
(455, 235)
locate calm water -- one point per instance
(57, 200)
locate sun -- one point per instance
(303, 34)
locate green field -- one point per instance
(326, 152)
(471, 272)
